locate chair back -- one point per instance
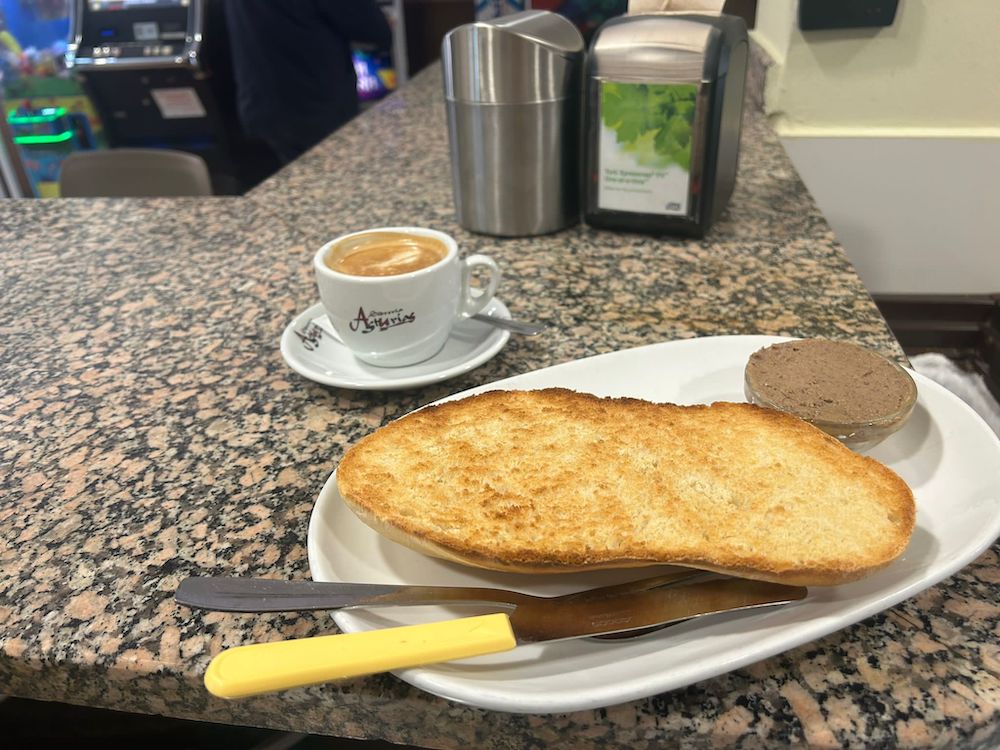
(133, 172)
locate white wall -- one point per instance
(915, 215)
(896, 132)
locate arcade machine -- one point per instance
(48, 115)
(160, 75)
(44, 136)
(380, 72)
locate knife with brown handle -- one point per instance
(282, 665)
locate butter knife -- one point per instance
(231, 594)
(281, 665)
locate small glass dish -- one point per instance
(860, 434)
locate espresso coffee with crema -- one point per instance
(385, 254)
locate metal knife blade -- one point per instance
(534, 622)
(269, 667)
(227, 594)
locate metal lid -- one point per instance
(527, 57)
(657, 46)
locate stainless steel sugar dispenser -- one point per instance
(513, 89)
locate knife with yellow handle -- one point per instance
(282, 665)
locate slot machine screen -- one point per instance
(134, 28)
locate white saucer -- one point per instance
(310, 347)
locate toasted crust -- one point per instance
(554, 480)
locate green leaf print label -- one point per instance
(645, 146)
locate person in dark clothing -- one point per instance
(295, 80)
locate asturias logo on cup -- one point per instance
(376, 320)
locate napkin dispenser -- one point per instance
(513, 96)
(664, 98)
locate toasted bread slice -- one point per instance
(554, 480)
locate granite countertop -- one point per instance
(150, 430)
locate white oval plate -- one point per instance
(947, 454)
(311, 348)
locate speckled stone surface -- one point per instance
(150, 430)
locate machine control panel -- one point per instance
(135, 32)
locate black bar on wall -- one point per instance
(965, 328)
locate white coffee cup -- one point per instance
(399, 318)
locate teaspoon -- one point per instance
(516, 326)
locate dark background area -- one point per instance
(38, 724)
(427, 21)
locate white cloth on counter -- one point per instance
(969, 387)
